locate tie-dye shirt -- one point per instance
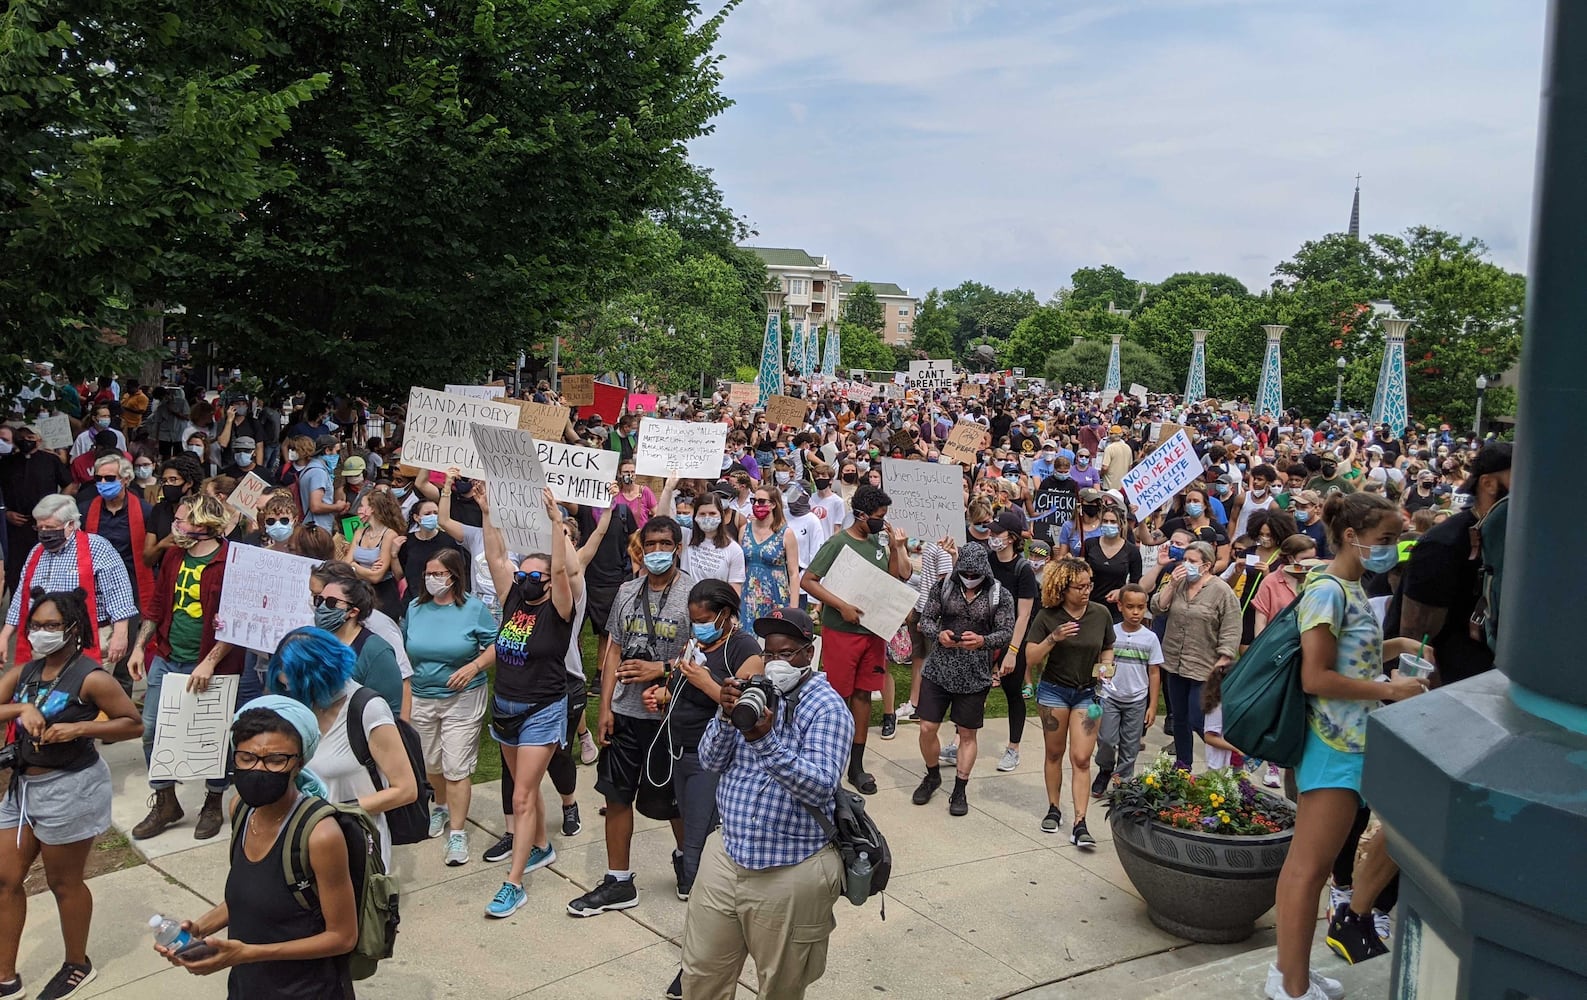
(1342, 722)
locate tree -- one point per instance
(1040, 335)
(862, 348)
(935, 325)
(1096, 287)
(863, 309)
(1086, 363)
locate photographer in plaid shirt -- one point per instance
(769, 877)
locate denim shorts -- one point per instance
(544, 728)
(1049, 695)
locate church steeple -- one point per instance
(1355, 211)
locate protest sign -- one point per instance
(545, 421)
(892, 390)
(829, 453)
(786, 411)
(742, 393)
(485, 392)
(192, 730)
(642, 402)
(928, 499)
(265, 596)
(692, 450)
(516, 484)
(437, 434)
(1162, 473)
(585, 476)
(964, 441)
(902, 440)
(1018, 373)
(970, 390)
(884, 600)
(930, 376)
(1139, 392)
(54, 431)
(1054, 504)
(1165, 431)
(248, 494)
(577, 390)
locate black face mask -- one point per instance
(27, 445)
(53, 539)
(531, 590)
(849, 477)
(171, 494)
(258, 787)
(1328, 470)
(875, 525)
(823, 484)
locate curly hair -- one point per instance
(311, 666)
(869, 499)
(1057, 578)
(71, 605)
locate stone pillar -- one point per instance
(1111, 383)
(769, 382)
(1388, 401)
(1196, 382)
(1270, 392)
(829, 364)
(1482, 785)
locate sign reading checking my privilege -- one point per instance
(517, 486)
(578, 475)
(437, 434)
(692, 450)
(1055, 506)
(928, 499)
(266, 595)
(1162, 473)
(192, 731)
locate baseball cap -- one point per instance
(242, 443)
(1090, 495)
(1492, 458)
(1309, 497)
(326, 442)
(785, 621)
(353, 466)
(1038, 549)
(1331, 456)
(1375, 448)
(1007, 520)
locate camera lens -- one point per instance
(751, 706)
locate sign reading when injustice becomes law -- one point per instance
(928, 498)
(1162, 473)
(516, 483)
(692, 450)
(578, 390)
(437, 434)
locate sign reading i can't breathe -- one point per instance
(437, 435)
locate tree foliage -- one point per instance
(1086, 363)
(1096, 287)
(862, 348)
(863, 309)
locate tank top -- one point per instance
(60, 701)
(531, 652)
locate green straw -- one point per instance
(1423, 647)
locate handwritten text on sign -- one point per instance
(928, 499)
(964, 441)
(884, 600)
(517, 486)
(192, 731)
(930, 376)
(786, 411)
(578, 390)
(578, 475)
(1161, 474)
(265, 596)
(248, 494)
(437, 430)
(545, 421)
(692, 450)
(483, 392)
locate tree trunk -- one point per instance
(147, 335)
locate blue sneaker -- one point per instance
(509, 900)
(539, 857)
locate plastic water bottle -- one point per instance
(168, 933)
(858, 882)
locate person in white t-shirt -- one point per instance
(827, 504)
(1220, 752)
(709, 551)
(808, 529)
(1129, 702)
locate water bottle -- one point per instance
(170, 934)
(858, 883)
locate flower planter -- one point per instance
(1206, 887)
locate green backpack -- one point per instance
(374, 891)
(1264, 706)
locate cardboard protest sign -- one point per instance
(970, 390)
(1054, 506)
(54, 431)
(437, 434)
(265, 596)
(903, 440)
(928, 498)
(786, 411)
(486, 392)
(585, 476)
(545, 421)
(693, 450)
(964, 440)
(1165, 431)
(192, 730)
(1161, 474)
(883, 599)
(577, 390)
(742, 394)
(516, 484)
(248, 494)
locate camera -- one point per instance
(639, 653)
(757, 695)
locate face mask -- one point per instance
(850, 477)
(108, 490)
(1221, 489)
(971, 582)
(784, 676)
(5, 446)
(1194, 509)
(243, 459)
(429, 522)
(532, 590)
(708, 523)
(1328, 470)
(45, 642)
(706, 632)
(1302, 516)
(1258, 493)
(332, 461)
(185, 540)
(997, 544)
(1082, 461)
(143, 472)
(53, 539)
(258, 787)
(328, 618)
(761, 511)
(1110, 531)
(27, 446)
(875, 525)
(399, 491)
(783, 478)
(1176, 552)
(823, 484)
(280, 531)
(1192, 571)
(196, 449)
(657, 563)
(1379, 558)
(292, 455)
(626, 479)
(102, 422)
(437, 585)
(685, 520)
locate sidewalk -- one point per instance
(986, 905)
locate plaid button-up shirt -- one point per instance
(58, 571)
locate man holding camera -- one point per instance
(769, 877)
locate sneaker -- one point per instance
(539, 857)
(611, 894)
(587, 749)
(440, 816)
(1321, 986)
(1099, 784)
(70, 981)
(1380, 923)
(1168, 726)
(1273, 778)
(11, 989)
(1338, 897)
(1010, 759)
(889, 726)
(1354, 938)
(1081, 837)
(456, 848)
(927, 787)
(509, 899)
(570, 821)
(684, 884)
(501, 850)
(949, 755)
(958, 803)
(1052, 821)
(905, 712)
(675, 991)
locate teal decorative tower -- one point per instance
(1196, 383)
(813, 350)
(797, 351)
(1111, 383)
(769, 382)
(1270, 394)
(1388, 402)
(829, 364)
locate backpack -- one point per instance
(375, 893)
(1264, 706)
(408, 824)
(853, 832)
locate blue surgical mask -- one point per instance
(1192, 571)
(658, 562)
(1194, 509)
(279, 531)
(1176, 552)
(706, 632)
(243, 459)
(429, 522)
(1082, 461)
(1380, 558)
(102, 421)
(1110, 531)
(1302, 516)
(686, 520)
(108, 490)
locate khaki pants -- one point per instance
(782, 917)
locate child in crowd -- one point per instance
(1220, 752)
(1129, 701)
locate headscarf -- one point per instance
(302, 719)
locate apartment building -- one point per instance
(809, 281)
(898, 307)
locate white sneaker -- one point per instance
(1380, 923)
(1320, 987)
(457, 848)
(1010, 760)
(948, 755)
(1338, 897)
(440, 816)
(905, 712)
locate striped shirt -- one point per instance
(58, 571)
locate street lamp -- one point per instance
(1482, 388)
(1339, 390)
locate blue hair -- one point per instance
(311, 666)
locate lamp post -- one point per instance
(1482, 388)
(1339, 390)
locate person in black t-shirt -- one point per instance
(1016, 575)
(1424, 494)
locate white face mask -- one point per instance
(437, 585)
(45, 642)
(5, 446)
(292, 456)
(784, 676)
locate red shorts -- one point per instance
(853, 661)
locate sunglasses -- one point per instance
(333, 603)
(535, 574)
(112, 478)
(277, 520)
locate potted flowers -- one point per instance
(1203, 850)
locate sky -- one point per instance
(928, 142)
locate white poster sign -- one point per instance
(1157, 477)
(692, 450)
(266, 595)
(578, 475)
(930, 376)
(484, 392)
(192, 731)
(928, 499)
(437, 434)
(248, 494)
(517, 485)
(54, 431)
(883, 599)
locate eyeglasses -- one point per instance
(276, 762)
(1080, 586)
(333, 602)
(277, 520)
(47, 626)
(114, 477)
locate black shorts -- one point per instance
(968, 711)
(621, 771)
(598, 607)
(577, 703)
